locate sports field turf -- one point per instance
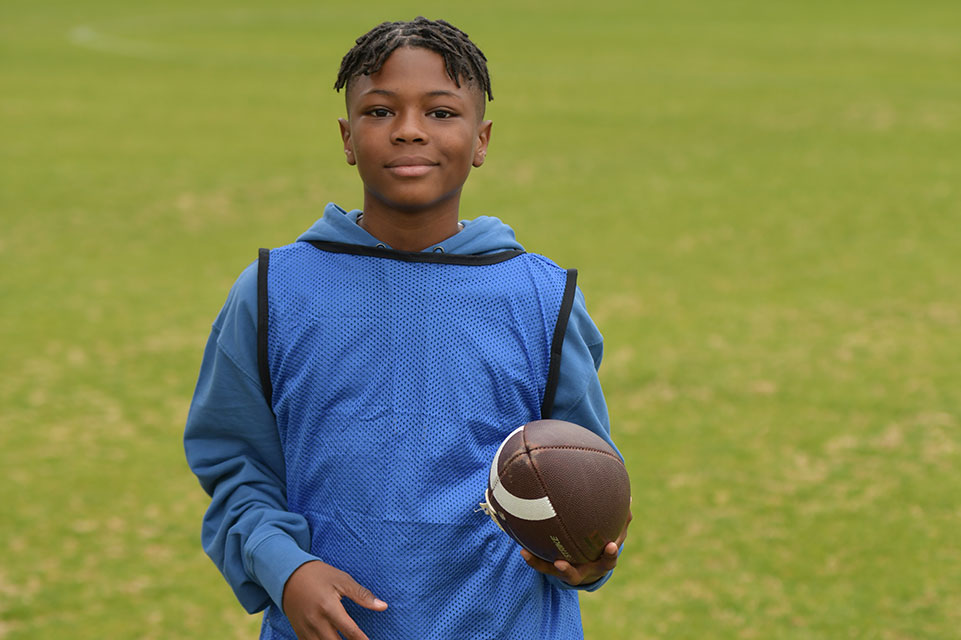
(763, 200)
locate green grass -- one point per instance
(763, 200)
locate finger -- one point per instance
(324, 630)
(326, 620)
(361, 595)
(537, 564)
(534, 562)
(621, 538)
(608, 559)
(343, 623)
(317, 626)
(568, 572)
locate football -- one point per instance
(559, 490)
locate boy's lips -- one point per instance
(410, 166)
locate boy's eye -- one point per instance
(442, 114)
(379, 112)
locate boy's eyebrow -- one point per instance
(387, 92)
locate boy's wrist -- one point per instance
(273, 560)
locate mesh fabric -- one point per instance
(394, 383)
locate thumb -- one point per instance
(362, 596)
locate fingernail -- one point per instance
(378, 602)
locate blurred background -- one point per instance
(763, 202)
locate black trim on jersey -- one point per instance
(263, 317)
(557, 344)
(435, 257)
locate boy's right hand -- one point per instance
(311, 602)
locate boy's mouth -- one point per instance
(410, 166)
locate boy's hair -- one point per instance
(461, 56)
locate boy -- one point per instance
(358, 382)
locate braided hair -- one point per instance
(461, 56)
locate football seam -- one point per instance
(561, 447)
(510, 461)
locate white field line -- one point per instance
(90, 38)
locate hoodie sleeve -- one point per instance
(579, 396)
(232, 445)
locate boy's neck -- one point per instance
(410, 232)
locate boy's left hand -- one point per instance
(578, 574)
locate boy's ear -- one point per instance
(345, 135)
(483, 139)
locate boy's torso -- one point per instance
(394, 381)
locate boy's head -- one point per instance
(463, 60)
(415, 127)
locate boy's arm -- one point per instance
(232, 445)
(579, 397)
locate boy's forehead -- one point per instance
(413, 68)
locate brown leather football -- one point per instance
(559, 490)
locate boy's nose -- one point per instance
(409, 129)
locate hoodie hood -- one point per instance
(482, 235)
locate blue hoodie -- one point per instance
(231, 438)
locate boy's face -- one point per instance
(413, 134)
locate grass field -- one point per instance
(763, 201)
